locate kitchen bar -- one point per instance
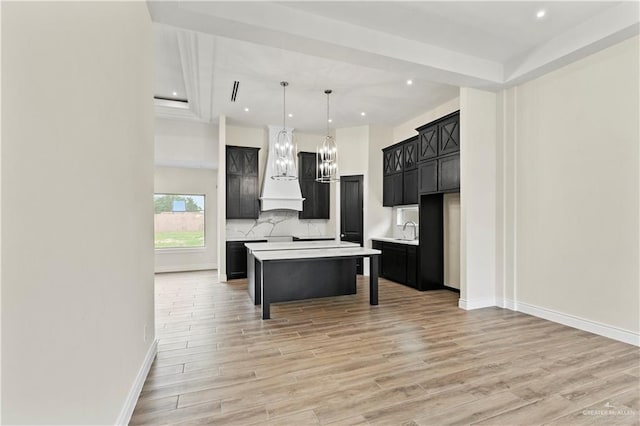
(287, 275)
(253, 267)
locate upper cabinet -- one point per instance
(426, 164)
(400, 167)
(242, 183)
(440, 137)
(428, 142)
(449, 135)
(410, 154)
(393, 159)
(316, 195)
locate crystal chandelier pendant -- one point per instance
(327, 155)
(285, 151)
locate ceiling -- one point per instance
(365, 52)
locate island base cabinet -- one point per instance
(303, 279)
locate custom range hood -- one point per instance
(279, 194)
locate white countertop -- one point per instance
(314, 253)
(300, 245)
(397, 241)
(246, 239)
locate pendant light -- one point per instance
(285, 150)
(327, 155)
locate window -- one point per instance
(405, 214)
(179, 220)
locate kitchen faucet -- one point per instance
(415, 226)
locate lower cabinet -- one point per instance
(237, 258)
(398, 262)
(412, 266)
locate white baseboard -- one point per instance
(468, 305)
(186, 268)
(506, 304)
(222, 277)
(136, 388)
(595, 327)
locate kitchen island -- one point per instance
(287, 275)
(253, 267)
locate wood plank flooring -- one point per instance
(415, 359)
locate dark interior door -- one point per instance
(351, 228)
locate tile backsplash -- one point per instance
(276, 223)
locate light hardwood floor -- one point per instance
(414, 359)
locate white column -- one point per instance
(477, 198)
(222, 198)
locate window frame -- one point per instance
(193, 249)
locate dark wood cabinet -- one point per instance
(449, 135)
(392, 190)
(393, 159)
(307, 162)
(316, 195)
(431, 254)
(237, 258)
(398, 262)
(410, 154)
(395, 256)
(428, 142)
(242, 183)
(438, 155)
(410, 187)
(412, 266)
(379, 245)
(449, 173)
(428, 177)
(400, 181)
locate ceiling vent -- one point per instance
(234, 91)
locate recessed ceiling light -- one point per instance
(246, 110)
(363, 113)
(330, 120)
(409, 82)
(175, 93)
(290, 115)
(541, 13)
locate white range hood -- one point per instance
(279, 194)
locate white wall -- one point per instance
(570, 190)
(186, 158)
(379, 219)
(175, 180)
(77, 186)
(353, 159)
(477, 198)
(408, 128)
(188, 144)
